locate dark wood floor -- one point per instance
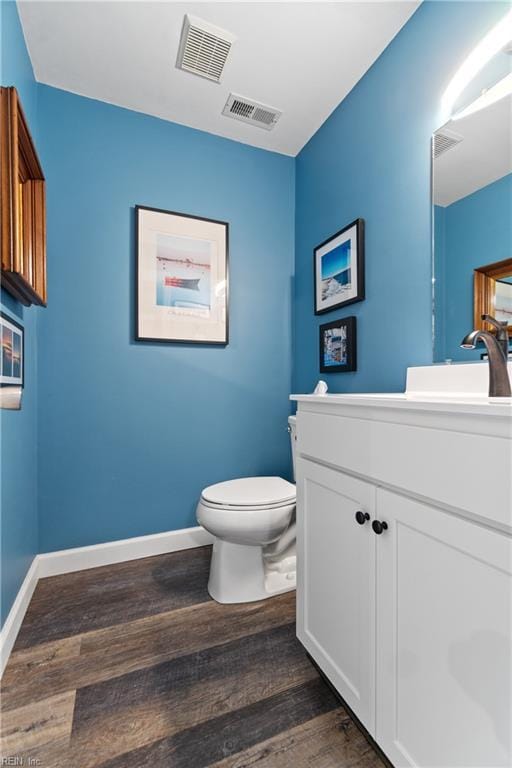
(133, 665)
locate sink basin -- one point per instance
(462, 388)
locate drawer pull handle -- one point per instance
(362, 517)
(379, 527)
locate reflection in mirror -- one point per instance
(472, 196)
(493, 293)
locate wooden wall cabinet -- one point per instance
(23, 210)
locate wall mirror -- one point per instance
(472, 225)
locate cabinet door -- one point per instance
(444, 644)
(336, 582)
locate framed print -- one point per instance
(12, 352)
(339, 269)
(338, 351)
(182, 278)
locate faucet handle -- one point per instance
(498, 324)
(501, 332)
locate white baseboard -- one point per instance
(82, 558)
(13, 621)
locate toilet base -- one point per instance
(240, 574)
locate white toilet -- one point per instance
(253, 521)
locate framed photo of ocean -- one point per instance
(182, 278)
(339, 269)
(12, 363)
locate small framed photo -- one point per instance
(12, 352)
(339, 269)
(182, 278)
(338, 352)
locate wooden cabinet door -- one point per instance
(444, 638)
(336, 582)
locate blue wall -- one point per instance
(477, 231)
(18, 508)
(131, 432)
(371, 159)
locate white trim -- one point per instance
(17, 613)
(82, 558)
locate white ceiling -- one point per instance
(300, 57)
(484, 155)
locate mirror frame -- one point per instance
(484, 283)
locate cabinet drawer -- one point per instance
(456, 469)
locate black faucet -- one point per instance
(497, 350)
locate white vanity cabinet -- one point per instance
(443, 638)
(336, 589)
(413, 624)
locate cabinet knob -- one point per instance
(379, 526)
(362, 517)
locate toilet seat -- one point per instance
(249, 494)
(246, 507)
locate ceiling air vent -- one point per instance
(204, 48)
(445, 140)
(252, 112)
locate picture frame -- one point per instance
(12, 352)
(492, 294)
(23, 209)
(338, 345)
(338, 266)
(182, 278)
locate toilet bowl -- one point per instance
(253, 522)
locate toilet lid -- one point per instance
(250, 492)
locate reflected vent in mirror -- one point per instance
(252, 112)
(445, 140)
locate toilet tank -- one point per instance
(292, 429)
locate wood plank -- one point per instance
(201, 625)
(329, 741)
(114, 594)
(37, 657)
(234, 732)
(35, 725)
(54, 754)
(44, 670)
(122, 714)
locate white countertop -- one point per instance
(435, 388)
(442, 402)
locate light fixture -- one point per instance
(498, 91)
(492, 43)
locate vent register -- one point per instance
(204, 50)
(445, 140)
(252, 112)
